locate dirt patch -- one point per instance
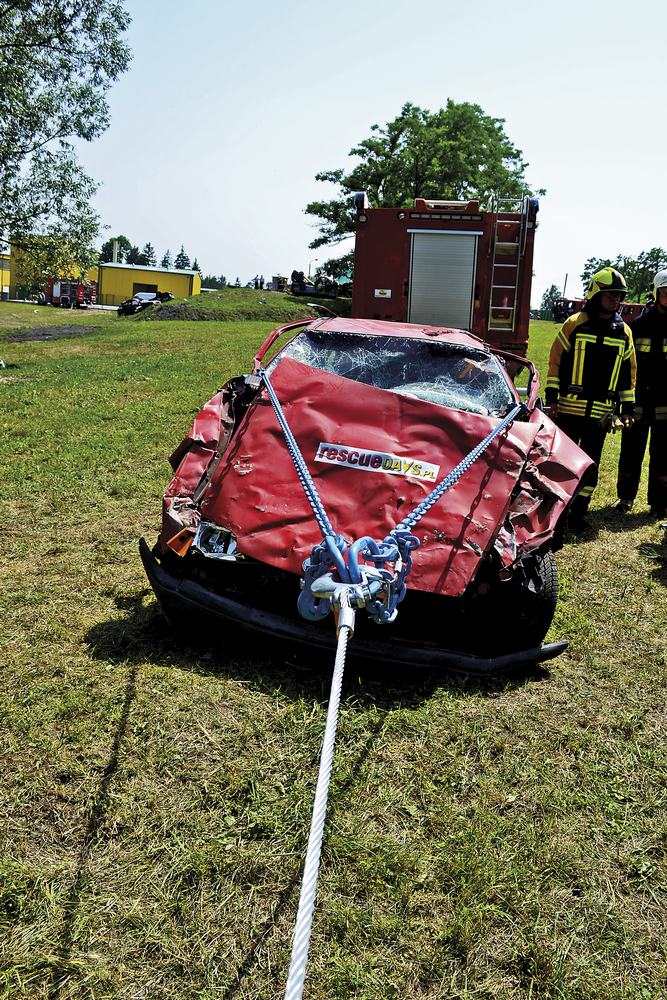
(49, 332)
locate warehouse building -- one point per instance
(116, 282)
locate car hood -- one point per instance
(374, 455)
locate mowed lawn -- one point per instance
(505, 839)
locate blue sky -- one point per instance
(229, 110)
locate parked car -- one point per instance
(380, 412)
(141, 301)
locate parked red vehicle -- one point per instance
(70, 294)
(380, 413)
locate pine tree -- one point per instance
(196, 267)
(133, 255)
(182, 261)
(166, 260)
(149, 253)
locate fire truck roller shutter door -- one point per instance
(442, 278)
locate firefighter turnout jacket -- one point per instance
(592, 367)
(650, 336)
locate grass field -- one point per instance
(485, 840)
(243, 304)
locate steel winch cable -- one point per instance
(304, 921)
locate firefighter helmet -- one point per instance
(606, 280)
(660, 281)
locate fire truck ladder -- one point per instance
(508, 248)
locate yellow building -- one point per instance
(116, 282)
(5, 268)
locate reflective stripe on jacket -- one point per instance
(592, 367)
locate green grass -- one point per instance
(498, 840)
(244, 304)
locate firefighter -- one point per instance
(650, 336)
(592, 372)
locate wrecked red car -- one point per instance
(319, 469)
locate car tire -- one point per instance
(526, 607)
(511, 615)
(537, 607)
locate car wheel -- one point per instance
(537, 597)
(506, 616)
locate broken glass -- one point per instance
(446, 374)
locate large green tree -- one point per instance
(57, 63)
(124, 247)
(455, 153)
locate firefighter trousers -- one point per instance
(633, 449)
(590, 437)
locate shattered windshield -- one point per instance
(446, 374)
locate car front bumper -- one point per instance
(179, 596)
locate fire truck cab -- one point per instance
(447, 263)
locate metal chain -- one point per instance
(299, 462)
(296, 976)
(453, 477)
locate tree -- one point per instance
(213, 281)
(196, 267)
(166, 260)
(339, 268)
(455, 153)
(57, 63)
(148, 255)
(549, 300)
(133, 255)
(124, 246)
(637, 271)
(44, 259)
(182, 261)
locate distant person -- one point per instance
(261, 282)
(650, 336)
(592, 372)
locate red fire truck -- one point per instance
(75, 294)
(447, 263)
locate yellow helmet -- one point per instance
(606, 280)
